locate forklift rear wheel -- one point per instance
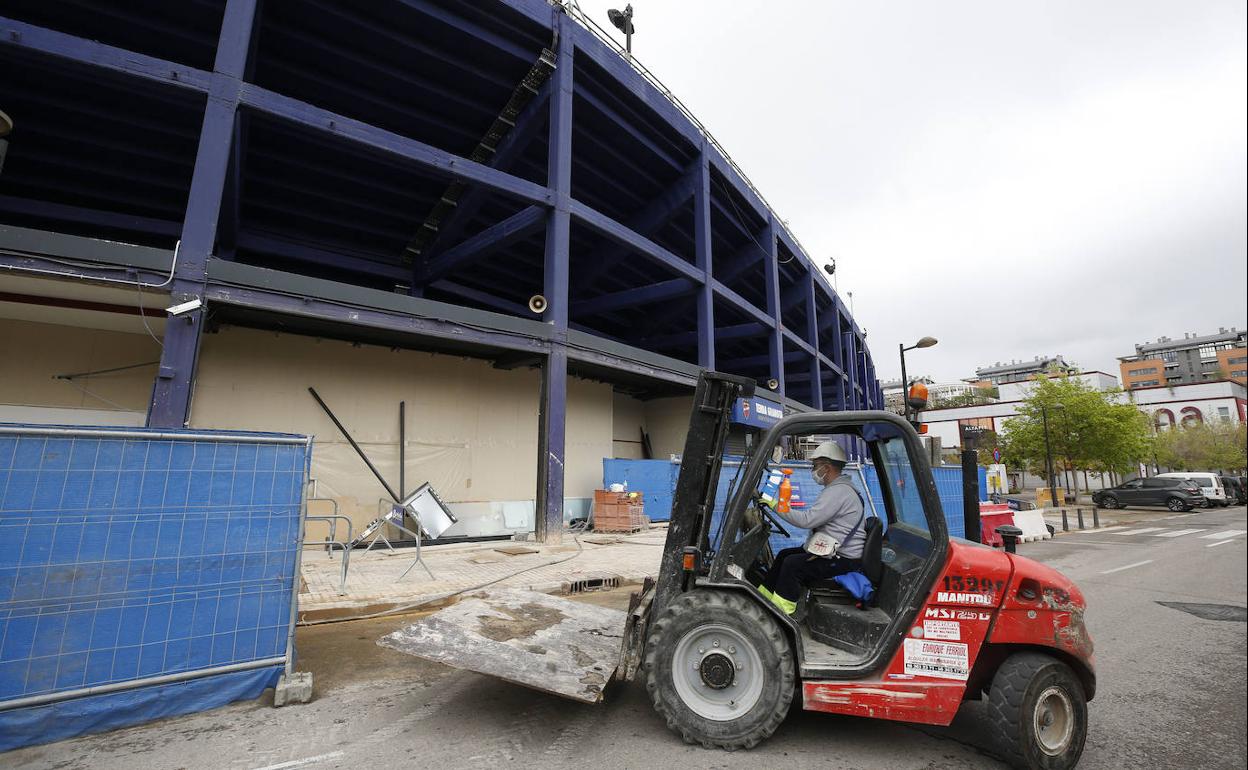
(719, 670)
(1038, 711)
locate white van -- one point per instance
(1210, 485)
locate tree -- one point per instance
(1222, 446)
(1089, 430)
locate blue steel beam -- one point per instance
(553, 405)
(812, 334)
(282, 303)
(626, 298)
(771, 276)
(685, 339)
(645, 222)
(85, 216)
(314, 255)
(755, 362)
(621, 234)
(421, 154)
(461, 23)
(745, 258)
(743, 304)
(703, 249)
(481, 297)
(498, 236)
(509, 150)
(23, 36)
(170, 404)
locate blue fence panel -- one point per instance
(132, 558)
(655, 479)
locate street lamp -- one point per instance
(1048, 452)
(925, 342)
(623, 21)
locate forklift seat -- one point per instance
(872, 566)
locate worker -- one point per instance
(836, 516)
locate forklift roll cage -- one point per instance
(694, 502)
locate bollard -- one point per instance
(1096, 518)
(1079, 514)
(1065, 521)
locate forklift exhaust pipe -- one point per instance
(1009, 536)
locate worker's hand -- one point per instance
(753, 518)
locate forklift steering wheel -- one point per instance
(771, 519)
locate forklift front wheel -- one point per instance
(719, 670)
(1039, 712)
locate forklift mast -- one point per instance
(693, 502)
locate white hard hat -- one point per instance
(829, 450)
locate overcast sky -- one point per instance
(1015, 179)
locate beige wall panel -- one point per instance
(629, 418)
(588, 437)
(471, 428)
(32, 354)
(667, 422)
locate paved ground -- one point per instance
(376, 579)
(1171, 690)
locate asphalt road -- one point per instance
(1171, 690)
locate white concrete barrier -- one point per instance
(1032, 524)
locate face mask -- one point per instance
(820, 475)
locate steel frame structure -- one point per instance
(685, 267)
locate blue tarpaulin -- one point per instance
(142, 573)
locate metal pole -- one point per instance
(905, 387)
(393, 495)
(970, 495)
(402, 449)
(1048, 457)
(297, 573)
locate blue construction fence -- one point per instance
(656, 480)
(143, 573)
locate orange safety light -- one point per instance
(689, 562)
(922, 429)
(917, 397)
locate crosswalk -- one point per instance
(1220, 536)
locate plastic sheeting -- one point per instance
(128, 558)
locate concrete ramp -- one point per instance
(532, 639)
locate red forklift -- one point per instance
(951, 620)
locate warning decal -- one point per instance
(942, 629)
(944, 660)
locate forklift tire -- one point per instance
(697, 640)
(1038, 712)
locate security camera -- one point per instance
(185, 307)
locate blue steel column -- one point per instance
(702, 240)
(171, 393)
(554, 399)
(812, 336)
(775, 341)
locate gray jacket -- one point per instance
(835, 512)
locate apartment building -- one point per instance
(1191, 360)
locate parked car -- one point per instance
(1175, 494)
(1235, 491)
(1210, 485)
